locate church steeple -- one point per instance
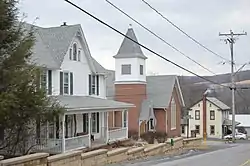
(130, 62)
(130, 49)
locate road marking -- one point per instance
(245, 163)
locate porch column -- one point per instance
(107, 127)
(89, 128)
(127, 123)
(125, 116)
(63, 133)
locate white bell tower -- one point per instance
(130, 62)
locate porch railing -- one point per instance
(76, 142)
(52, 146)
(117, 134)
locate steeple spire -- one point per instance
(130, 49)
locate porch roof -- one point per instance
(90, 103)
(228, 122)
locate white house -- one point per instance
(78, 82)
(209, 115)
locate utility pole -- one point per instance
(231, 40)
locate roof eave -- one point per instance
(100, 108)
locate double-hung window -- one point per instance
(66, 83)
(212, 115)
(93, 85)
(46, 81)
(197, 114)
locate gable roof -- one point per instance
(218, 103)
(159, 89)
(130, 49)
(52, 44)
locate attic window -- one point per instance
(75, 52)
(79, 55)
(70, 54)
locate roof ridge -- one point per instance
(54, 27)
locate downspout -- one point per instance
(204, 116)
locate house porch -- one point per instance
(78, 129)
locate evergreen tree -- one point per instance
(23, 104)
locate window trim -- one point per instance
(199, 115)
(212, 115)
(96, 126)
(196, 129)
(213, 130)
(70, 53)
(183, 131)
(94, 86)
(130, 69)
(173, 114)
(125, 118)
(44, 82)
(141, 68)
(74, 51)
(150, 124)
(85, 127)
(69, 83)
(79, 55)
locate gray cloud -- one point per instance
(201, 19)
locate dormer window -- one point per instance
(126, 69)
(75, 52)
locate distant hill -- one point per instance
(194, 87)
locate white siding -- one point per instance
(193, 122)
(135, 70)
(219, 118)
(81, 71)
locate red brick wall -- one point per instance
(160, 115)
(135, 94)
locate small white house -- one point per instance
(78, 82)
(210, 112)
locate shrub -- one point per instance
(133, 135)
(150, 136)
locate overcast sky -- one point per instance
(201, 19)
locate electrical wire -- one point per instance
(193, 39)
(150, 31)
(143, 46)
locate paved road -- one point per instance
(218, 154)
(237, 155)
(154, 160)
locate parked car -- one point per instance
(240, 136)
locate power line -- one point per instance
(146, 48)
(193, 39)
(150, 31)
